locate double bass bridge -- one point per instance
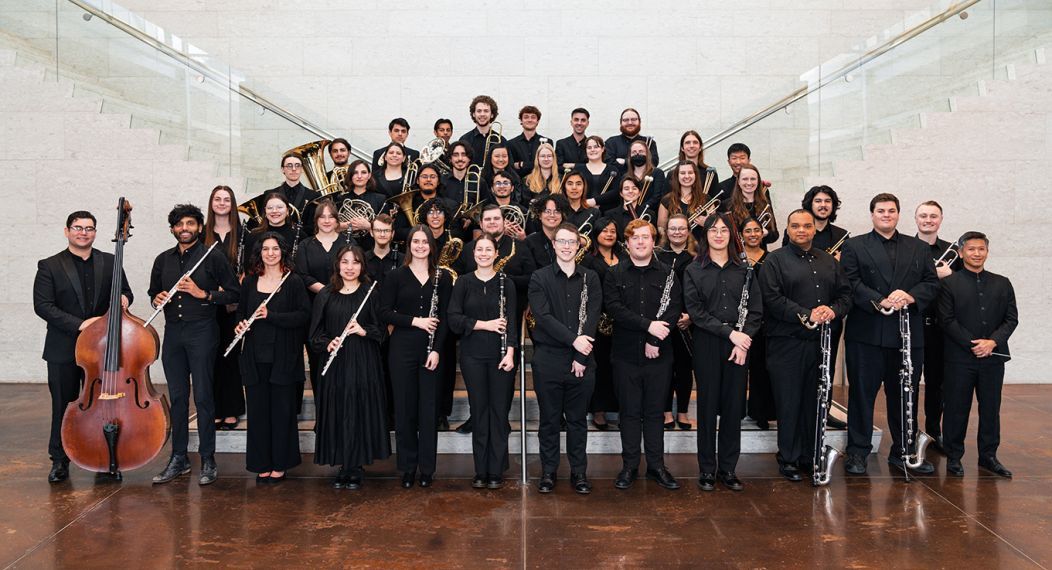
(114, 396)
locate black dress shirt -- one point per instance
(288, 231)
(403, 298)
(632, 296)
(453, 189)
(617, 147)
(280, 336)
(475, 300)
(569, 151)
(555, 301)
(86, 271)
(214, 276)
(523, 150)
(314, 263)
(712, 294)
(477, 142)
(793, 282)
(541, 248)
(387, 187)
(976, 306)
(519, 268)
(302, 198)
(379, 267)
(824, 239)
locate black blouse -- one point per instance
(314, 264)
(609, 199)
(475, 300)
(279, 337)
(403, 298)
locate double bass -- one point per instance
(119, 421)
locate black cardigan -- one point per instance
(288, 312)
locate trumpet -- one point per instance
(647, 181)
(586, 227)
(951, 255)
(494, 137)
(835, 249)
(766, 217)
(705, 210)
(645, 215)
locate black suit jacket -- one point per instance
(974, 306)
(59, 299)
(872, 278)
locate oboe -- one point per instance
(666, 293)
(252, 319)
(434, 309)
(168, 298)
(582, 311)
(241, 249)
(343, 335)
(501, 310)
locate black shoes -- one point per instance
(600, 426)
(443, 424)
(547, 483)
(707, 482)
(685, 426)
(925, 468)
(479, 482)
(954, 468)
(210, 472)
(625, 478)
(994, 466)
(426, 480)
(464, 428)
(731, 481)
(670, 425)
(353, 479)
(407, 479)
(59, 472)
(177, 466)
(663, 478)
(855, 464)
(764, 425)
(790, 472)
(495, 482)
(937, 443)
(580, 483)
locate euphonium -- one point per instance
(404, 201)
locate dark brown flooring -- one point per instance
(873, 521)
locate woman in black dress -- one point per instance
(604, 254)
(224, 226)
(272, 357)
(390, 177)
(760, 406)
(678, 248)
(411, 305)
(601, 176)
(352, 407)
(488, 339)
(278, 218)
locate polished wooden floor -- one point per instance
(875, 521)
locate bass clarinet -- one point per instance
(824, 456)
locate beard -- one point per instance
(630, 131)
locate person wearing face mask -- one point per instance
(359, 185)
(600, 176)
(483, 111)
(617, 146)
(271, 357)
(677, 249)
(749, 200)
(398, 130)
(565, 299)
(640, 166)
(524, 147)
(570, 151)
(351, 425)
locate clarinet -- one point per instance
(241, 250)
(502, 310)
(434, 308)
(295, 242)
(743, 305)
(582, 311)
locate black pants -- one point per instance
(489, 390)
(933, 378)
(642, 390)
(559, 394)
(228, 393)
(868, 367)
(273, 435)
(721, 393)
(416, 404)
(447, 370)
(681, 381)
(189, 351)
(761, 405)
(985, 378)
(604, 397)
(793, 366)
(385, 355)
(64, 382)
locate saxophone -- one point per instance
(499, 265)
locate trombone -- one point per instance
(472, 186)
(494, 137)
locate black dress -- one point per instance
(227, 390)
(351, 422)
(760, 406)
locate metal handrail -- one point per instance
(208, 72)
(824, 80)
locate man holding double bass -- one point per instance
(71, 290)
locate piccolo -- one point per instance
(168, 297)
(343, 335)
(252, 319)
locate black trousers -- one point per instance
(681, 380)
(447, 370)
(642, 390)
(934, 376)
(869, 367)
(793, 366)
(721, 394)
(604, 397)
(416, 404)
(189, 351)
(984, 378)
(761, 405)
(489, 390)
(228, 393)
(385, 355)
(64, 382)
(559, 394)
(273, 435)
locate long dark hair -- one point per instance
(336, 281)
(370, 184)
(255, 266)
(733, 250)
(432, 256)
(233, 239)
(697, 195)
(761, 199)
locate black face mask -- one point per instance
(638, 160)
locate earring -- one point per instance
(381, 160)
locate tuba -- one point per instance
(313, 156)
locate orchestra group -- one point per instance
(380, 279)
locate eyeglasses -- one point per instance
(566, 242)
(719, 231)
(292, 166)
(82, 229)
(382, 232)
(275, 208)
(550, 212)
(502, 183)
(436, 213)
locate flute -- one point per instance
(168, 297)
(252, 319)
(343, 335)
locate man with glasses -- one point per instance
(617, 146)
(380, 260)
(552, 211)
(298, 195)
(70, 292)
(503, 190)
